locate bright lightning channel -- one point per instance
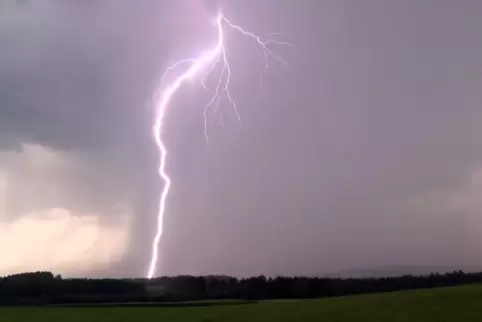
(202, 65)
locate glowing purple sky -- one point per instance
(364, 153)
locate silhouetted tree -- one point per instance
(45, 288)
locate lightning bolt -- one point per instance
(203, 65)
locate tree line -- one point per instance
(45, 288)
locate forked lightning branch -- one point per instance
(201, 67)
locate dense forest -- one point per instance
(44, 288)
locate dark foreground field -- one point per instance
(448, 304)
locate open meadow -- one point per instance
(445, 304)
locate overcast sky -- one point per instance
(364, 152)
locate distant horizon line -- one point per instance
(376, 272)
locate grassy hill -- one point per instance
(445, 304)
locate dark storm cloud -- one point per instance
(362, 153)
(73, 74)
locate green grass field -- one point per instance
(447, 304)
